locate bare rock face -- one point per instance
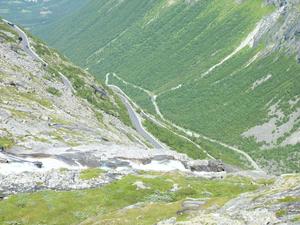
(274, 204)
(206, 165)
(52, 180)
(40, 107)
(285, 33)
(191, 205)
(277, 3)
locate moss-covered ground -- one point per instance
(91, 173)
(104, 204)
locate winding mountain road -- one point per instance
(126, 100)
(134, 117)
(187, 132)
(25, 42)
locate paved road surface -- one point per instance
(189, 133)
(138, 125)
(25, 42)
(134, 117)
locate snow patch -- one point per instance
(161, 166)
(20, 167)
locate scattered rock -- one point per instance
(44, 118)
(2, 196)
(207, 194)
(140, 185)
(99, 90)
(175, 188)
(170, 221)
(38, 164)
(275, 204)
(114, 163)
(206, 165)
(53, 179)
(191, 205)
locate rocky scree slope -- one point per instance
(54, 115)
(54, 106)
(228, 70)
(276, 204)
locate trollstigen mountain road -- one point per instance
(132, 114)
(25, 42)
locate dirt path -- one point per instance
(186, 131)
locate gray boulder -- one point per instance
(206, 165)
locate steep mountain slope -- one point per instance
(54, 115)
(68, 155)
(276, 204)
(226, 70)
(54, 106)
(36, 14)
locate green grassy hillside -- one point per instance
(111, 203)
(170, 48)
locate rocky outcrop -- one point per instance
(206, 165)
(285, 32)
(281, 29)
(275, 204)
(191, 205)
(115, 159)
(61, 179)
(54, 106)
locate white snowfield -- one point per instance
(48, 164)
(69, 158)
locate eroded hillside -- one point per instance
(54, 105)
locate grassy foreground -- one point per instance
(104, 204)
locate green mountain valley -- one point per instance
(227, 70)
(150, 112)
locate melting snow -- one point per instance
(20, 167)
(162, 166)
